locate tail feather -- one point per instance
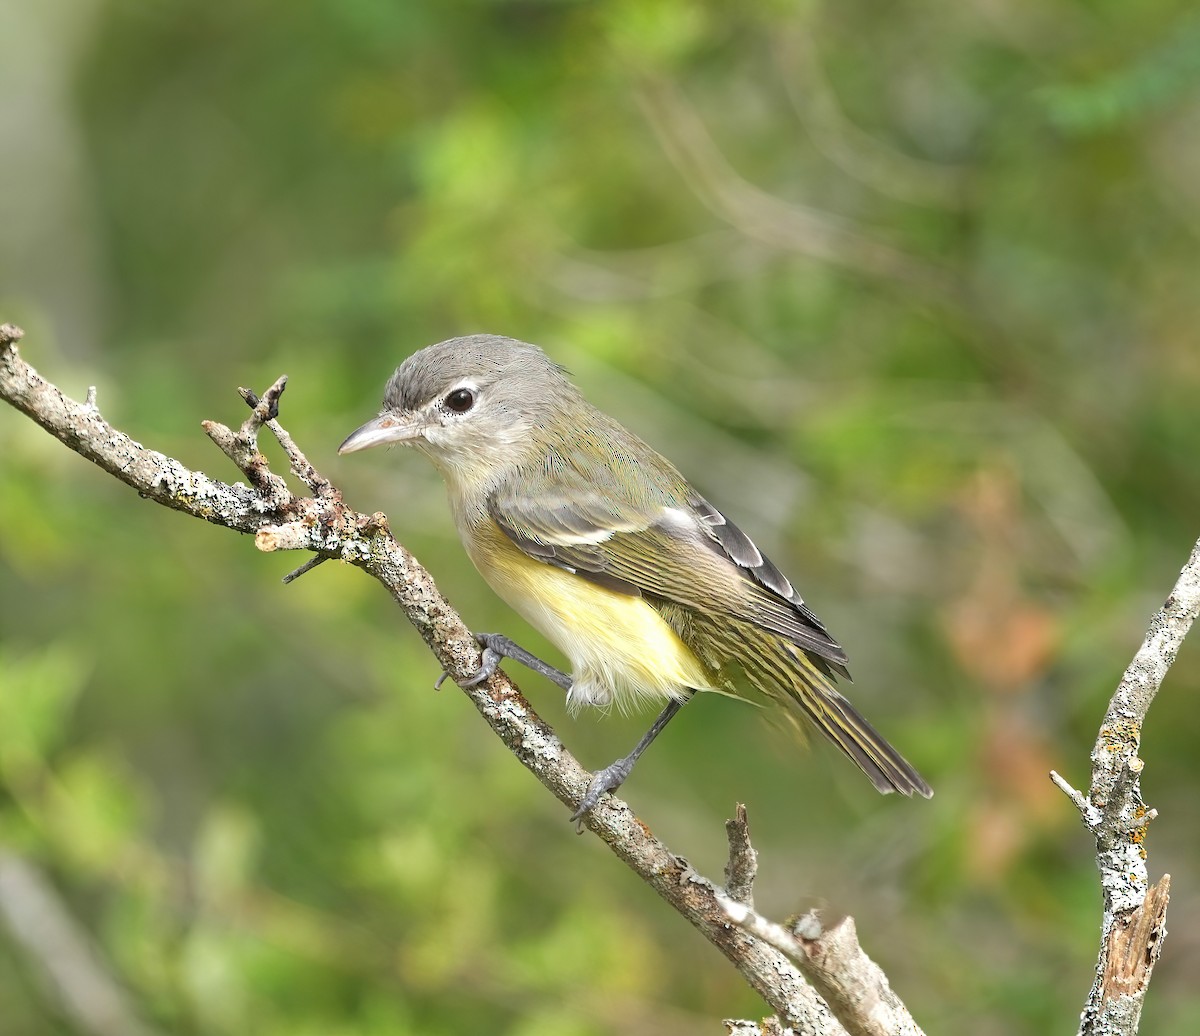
(845, 726)
(789, 676)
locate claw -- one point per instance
(603, 781)
(491, 662)
(496, 648)
(613, 775)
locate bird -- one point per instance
(596, 540)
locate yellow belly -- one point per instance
(621, 649)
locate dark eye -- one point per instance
(460, 400)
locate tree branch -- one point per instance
(853, 985)
(324, 525)
(1134, 920)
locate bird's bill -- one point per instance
(388, 427)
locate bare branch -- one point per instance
(266, 411)
(1134, 919)
(1086, 809)
(304, 569)
(324, 525)
(853, 985)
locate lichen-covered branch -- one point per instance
(1134, 921)
(321, 523)
(767, 1027)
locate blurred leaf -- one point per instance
(1161, 77)
(37, 694)
(213, 970)
(95, 812)
(226, 852)
(655, 32)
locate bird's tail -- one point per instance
(838, 720)
(790, 677)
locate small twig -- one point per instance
(1089, 813)
(262, 409)
(302, 467)
(266, 412)
(242, 449)
(742, 867)
(769, 931)
(307, 567)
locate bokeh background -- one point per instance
(911, 291)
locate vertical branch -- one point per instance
(1134, 921)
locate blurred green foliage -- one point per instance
(912, 295)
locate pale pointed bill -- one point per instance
(387, 427)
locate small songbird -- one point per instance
(599, 543)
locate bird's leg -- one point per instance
(497, 647)
(614, 775)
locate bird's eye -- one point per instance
(460, 400)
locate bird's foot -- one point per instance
(613, 775)
(608, 779)
(496, 648)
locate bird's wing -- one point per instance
(688, 554)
